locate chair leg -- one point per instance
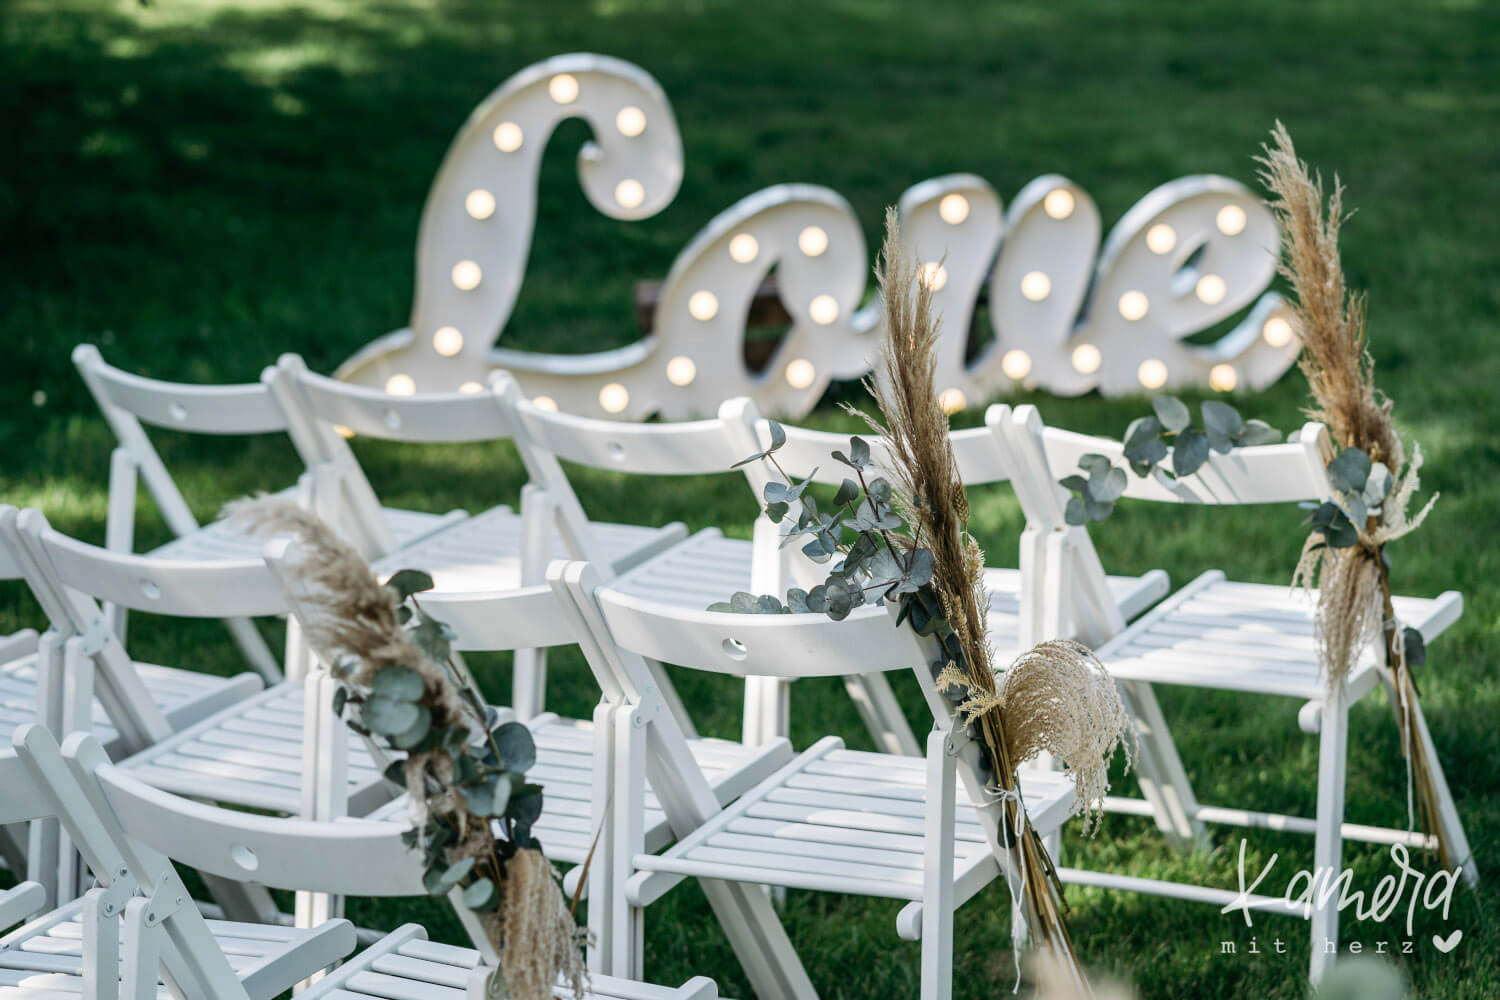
(1450, 827)
(529, 679)
(882, 715)
(759, 940)
(529, 684)
(937, 876)
(1333, 745)
(767, 710)
(253, 645)
(1159, 770)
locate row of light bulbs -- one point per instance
(812, 241)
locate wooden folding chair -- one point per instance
(130, 403)
(832, 820)
(1219, 635)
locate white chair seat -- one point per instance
(250, 755)
(42, 959)
(484, 552)
(849, 821)
(404, 965)
(564, 767)
(709, 567)
(184, 696)
(1249, 637)
(216, 540)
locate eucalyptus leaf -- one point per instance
(413, 735)
(398, 682)
(406, 582)
(1413, 646)
(1221, 418)
(1257, 432)
(796, 601)
(880, 489)
(1098, 510)
(1378, 485)
(847, 491)
(840, 599)
(1349, 471)
(1075, 483)
(778, 436)
(1093, 462)
(481, 896)
(776, 511)
(438, 881)
(388, 716)
(1076, 513)
(516, 746)
(1189, 452)
(1172, 412)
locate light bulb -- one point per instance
(400, 385)
(1059, 203)
(629, 193)
(953, 209)
(1152, 373)
(952, 400)
(447, 341)
(508, 137)
(614, 397)
(1277, 331)
(1134, 305)
(934, 275)
(703, 305)
(1036, 286)
(470, 387)
(800, 373)
(681, 371)
(631, 121)
(1016, 364)
(823, 310)
(1211, 289)
(545, 403)
(480, 204)
(564, 88)
(744, 248)
(1222, 378)
(466, 275)
(1087, 359)
(1161, 238)
(1230, 220)
(812, 241)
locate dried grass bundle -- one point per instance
(351, 619)
(1354, 589)
(1046, 712)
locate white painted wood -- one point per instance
(1328, 841)
(21, 901)
(937, 871)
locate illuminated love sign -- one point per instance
(1066, 315)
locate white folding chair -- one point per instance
(833, 820)
(573, 756)
(137, 930)
(129, 403)
(496, 549)
(1220, 635)
(80, 677)
(807, 454)
(141, 921)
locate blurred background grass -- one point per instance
(198, 186)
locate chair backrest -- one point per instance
(130, 401)
(147, 888)
(69, 578)
(1041, 455)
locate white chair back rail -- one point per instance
(809, 453)
(245, 408)
(175, 587)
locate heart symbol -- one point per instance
(1446, 945)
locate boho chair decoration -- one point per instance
(1055, 698)
(1373, 477)
(465, 772)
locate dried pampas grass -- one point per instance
(351, 620)
(1058, 699)
(1034, 709)
(1354, 589)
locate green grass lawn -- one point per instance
(197, 187)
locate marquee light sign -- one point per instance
(1066, 315)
